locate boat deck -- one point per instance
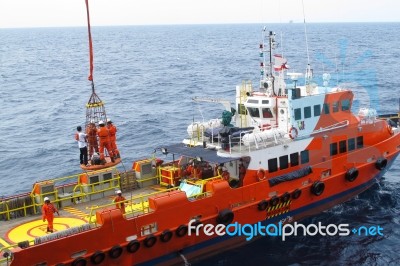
(76, 212)
(79, 197)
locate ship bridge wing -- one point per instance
(206, 155)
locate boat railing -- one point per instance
(134, 206)
(338, 125)
(62, 191)
(139, 205)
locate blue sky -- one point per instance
(55, 13)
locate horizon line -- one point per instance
(200, 24)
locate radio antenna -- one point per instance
(309, 73)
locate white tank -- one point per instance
(262, 136)
(196, 129)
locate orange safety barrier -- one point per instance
(83, 179)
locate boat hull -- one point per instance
(218, 244)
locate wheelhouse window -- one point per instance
(346, 105)
(273, 165)
(360, 142)
(265, 102)
(335, 107)
(307, 112)
(297, 114)
(351, 143)
(305, 157)
(284, 162)
(267, 113)
(342, 146)
(317, 110)
(294, 159)
(326, 108)
(334, 149)
(253, 111)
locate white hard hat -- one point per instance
(101, 122)
(108, 120)
(118, 192)
(46, 198)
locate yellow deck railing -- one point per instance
(33, 201)
(134, 206)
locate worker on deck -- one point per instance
(112, 129)
(119, 200)
(242, 173)
(48, 211)
(104, 139)
(189, 169)
(91, 134)
(80, 137)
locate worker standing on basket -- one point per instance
(91, 134)
(112, 129)
(104, 139)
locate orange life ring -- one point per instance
(261, 174)
(293, 132)
(390, 129)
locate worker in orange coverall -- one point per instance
(119, 200)
(91, 134)
(48, 211)
(112, 129)
(104, 139)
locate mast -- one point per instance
(271, 46)
(309, 71)
(267, 75)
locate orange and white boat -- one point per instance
(294, 151)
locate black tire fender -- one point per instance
(225, 217)
(115, 251)
(318, 188)
(133, 246)
(97, 257)
(166, 236)
(262, 205)
(150, 241)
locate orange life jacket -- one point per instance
(103, 134)
(48, 210)
(113, 130)
(91, 132)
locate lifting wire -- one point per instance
(95, 110)
(123, 166)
